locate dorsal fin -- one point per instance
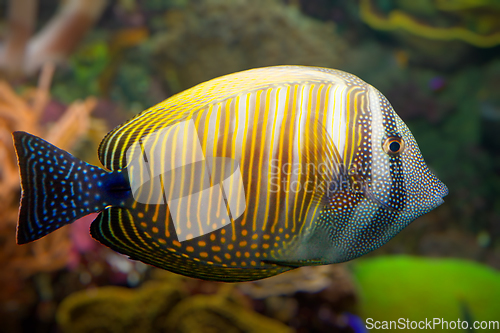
(185, 105)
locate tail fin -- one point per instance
(57, 187)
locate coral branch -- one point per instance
(24, 113)
(42, 94)
(73, 124)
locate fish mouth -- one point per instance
(445, 191)
(441, 193)
(442, 190)
(439, 201)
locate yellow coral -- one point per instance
(118, 309)
(159, 306)
(216, 313)
(398, 20)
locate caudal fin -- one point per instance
(57, 187)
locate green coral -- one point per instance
(419, 288)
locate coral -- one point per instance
(209, 38)
(215, 313)
(308, 299)
(391, 286)
(159, 306)
(118, 309)
(400, 20)
(25, 112)
(17, 113)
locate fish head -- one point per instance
(423, 190)
(398, 187)
(400, 180)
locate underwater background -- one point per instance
(72, 70)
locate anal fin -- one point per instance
(115, 227)
(121, 230)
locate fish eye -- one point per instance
(393, 145)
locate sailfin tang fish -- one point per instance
(240, 178)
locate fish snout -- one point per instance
(442, 189)
(439, 191)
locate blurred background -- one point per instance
(71, 70)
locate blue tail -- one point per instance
(58, 188)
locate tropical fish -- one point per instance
(240, 178)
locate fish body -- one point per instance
(241, 177)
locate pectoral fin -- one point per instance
(321, 159)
